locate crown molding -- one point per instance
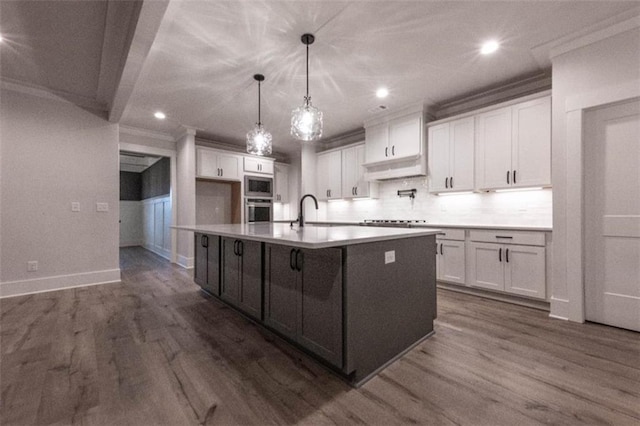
(56, 95)
(136, 131)
(544, 53)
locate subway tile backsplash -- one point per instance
(524, 208)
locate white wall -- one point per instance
(54, 153)
(186, 197)
(156, 222)
(130, 223)
(600, 72)
(530, 208)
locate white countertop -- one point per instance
(312, 236)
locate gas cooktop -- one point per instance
(393, 222)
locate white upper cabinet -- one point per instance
(213, 164)
(354, 184)
(397, 139)
(531, 152)
(281, 183)
(451, 148)
(514, 146)
(329, 175)
(258, 165)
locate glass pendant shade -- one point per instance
(306, 122)
(258, 139)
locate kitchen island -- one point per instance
(355, 298)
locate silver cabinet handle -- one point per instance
(451, 182)
(386, 152)
(508, 172)
(393, 150)
(514, 176)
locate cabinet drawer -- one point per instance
(450, 234)
(508, 237)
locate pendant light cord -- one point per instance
(307, 74)
(259, 121)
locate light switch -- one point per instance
(75, 206)
(389, 256)
(102, 207)
(32, 266)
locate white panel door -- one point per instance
(207, 163)
(525, 270)
(405, 136)
(452, 264)
(167, 225)
(350, 171)
(363, 187)
(612, 215)
(493, 155)
(376, 142)
(486, 267)
(229, 166)
(439, 157)
(462, 134)
(531, 153)
(158, 224)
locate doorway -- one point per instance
(612, 215)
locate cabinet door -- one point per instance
(229, 167)
(531, 156)
(206, 163)
(281, 182)
(320, 303)
(230, 277)
(364, 188)
(525, 270)
(280, 291)
(486, 265)
(250, 291)
(461, 154)
(266, 167)
(452, 268)
(350, 171)
(257, 165)
(377, 142)
(200, 266)
(213, 265)
(493, 156)
(439, 158)
(405, 136)
(329, 175)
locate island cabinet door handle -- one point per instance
(507, 255)
(235, 247)
(291, 259)
(500, 255)
(240, 248)
(441, 248)
(299, 260)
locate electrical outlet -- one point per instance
(102, 207)
(389, 256)
(75, 206)
(32, 266)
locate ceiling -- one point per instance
(136, 163)
(199, 59)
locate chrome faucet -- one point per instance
(300, 216)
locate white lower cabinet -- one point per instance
(450, 261)
(512, 268)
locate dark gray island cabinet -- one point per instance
(353, 298)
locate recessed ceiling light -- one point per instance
(160, 115)
(1, 38)
(382, 92)
(489, 47)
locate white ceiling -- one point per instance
(199, 67)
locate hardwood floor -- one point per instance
(152, 350)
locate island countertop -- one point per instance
(311, 236)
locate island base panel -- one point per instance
(389, 305)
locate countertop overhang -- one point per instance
(312, 236)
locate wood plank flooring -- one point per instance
(153, 350)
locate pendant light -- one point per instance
(258, 139)
(306, 120)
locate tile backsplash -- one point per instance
(525, 208)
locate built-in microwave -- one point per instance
(258, 186)
(258, 210)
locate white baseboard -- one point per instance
(559, 308)
(130, 243)
(185, 262)
(59, 282)
(159, 251)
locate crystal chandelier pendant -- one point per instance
(259, 141)
(306, 122)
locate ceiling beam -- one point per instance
(146, 28)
